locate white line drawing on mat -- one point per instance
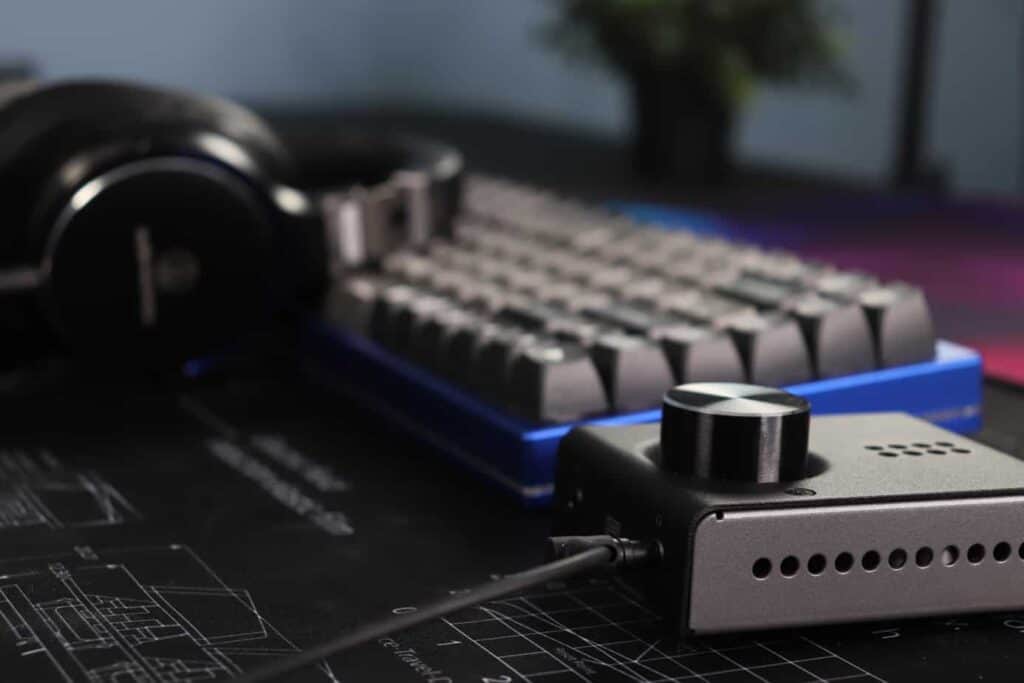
(108, 621)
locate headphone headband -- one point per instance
(377, 192)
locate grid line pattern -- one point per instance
(596, 631)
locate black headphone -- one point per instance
(152, 226)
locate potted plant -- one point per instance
(691, 64)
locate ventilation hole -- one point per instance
(920, 444)
(1002, 551)
(944, 444)
(871, 560)
(911, 452)
(816, 564)
(790, 566)
(961, 450)
(923, 557)
(762, 568)
(844, 561)
(950, 554)
(976, 553)
(897, 446)
(874, 447)
(888, 454)
(936, 451)
(1020, 551)
(898, 558)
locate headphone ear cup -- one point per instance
(171, 259)
(160, 251)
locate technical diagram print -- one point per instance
(37, 491)
(140, 615)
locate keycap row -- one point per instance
(528, 232)
(523, 217)
(851, 323)
(560, 356)
(516, 222)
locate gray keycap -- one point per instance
(409, 318)
(701, 270)
(529, 315)
(653, 260)
(525, 281)
(781, 266)
(453, 256)
(453, 284)
(645, 291)
(390, 300)
(463, 345)
(623, 249)
(772, 348)
(608, 278)
(706, 308)
(901, 324)
(491, 269)
(350, 302)
(559, 293)
(555, 381)
(700, 354)
(572, 267)
(433, 345)
(488, 298)
(845, 285)
(555, 323)
(632, 319)
(837, 335)
(634, 371)
(760, 291)
(492, 363)
(589, 240)
(409, 267)
(581, 299)
(577, 330)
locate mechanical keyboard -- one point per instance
(541, 312)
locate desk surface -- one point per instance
(200, 532)
(190, 535)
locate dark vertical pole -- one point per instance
(907, 169)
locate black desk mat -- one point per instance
(190, 536)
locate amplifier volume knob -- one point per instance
(734, 432)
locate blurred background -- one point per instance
(493, 58)
(880, 133)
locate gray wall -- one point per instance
(977, 106)
(484, 55)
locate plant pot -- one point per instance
(682, 128)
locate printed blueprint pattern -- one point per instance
(36, 490)
(154, 614)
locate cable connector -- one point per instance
(625, 553)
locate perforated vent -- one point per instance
(895, 559)
(916, 448)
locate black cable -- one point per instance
(589, 554)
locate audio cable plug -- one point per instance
(628, 554)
